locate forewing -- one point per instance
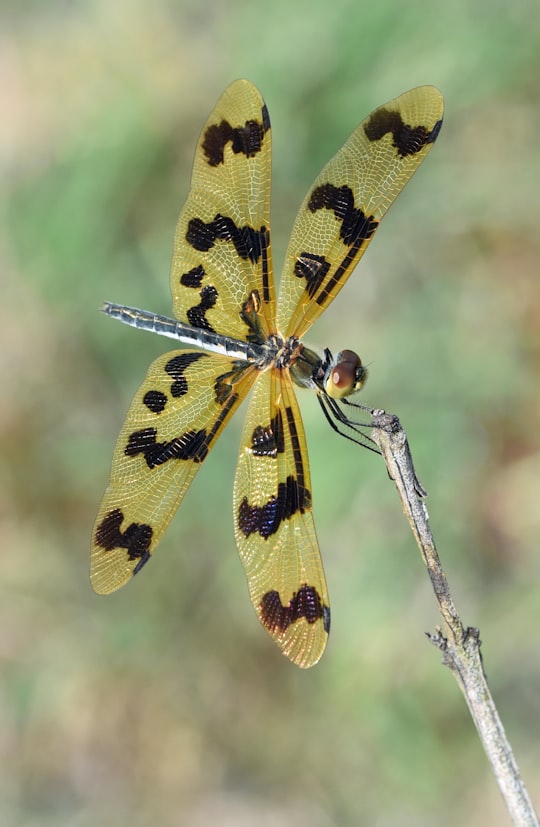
(175, 418)
(221, 276)
(344, 206)
(274, 527)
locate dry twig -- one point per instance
(460, 646)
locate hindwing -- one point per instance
(174, 420)
(221, 274)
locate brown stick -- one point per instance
(460, 646)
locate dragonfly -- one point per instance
(243, 339)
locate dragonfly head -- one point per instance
(343, 375)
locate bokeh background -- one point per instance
(166, 703)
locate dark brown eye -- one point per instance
(343, 375)
(346, 375)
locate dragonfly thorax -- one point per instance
(280, 353)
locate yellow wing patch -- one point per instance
(222, 250)
(223, 294)
(347, 200)
(274, 528)
(174, 420)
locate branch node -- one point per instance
(438, 639)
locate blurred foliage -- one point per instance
(166, 703)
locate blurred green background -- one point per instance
(166, 703)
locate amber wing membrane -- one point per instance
(274, 527)
(349, 197)
(221, 274)
(173, 422)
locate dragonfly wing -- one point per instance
(221, 274)
(274, 527)
(343, 208)
(174, 420)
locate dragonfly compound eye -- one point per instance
(346, 376)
